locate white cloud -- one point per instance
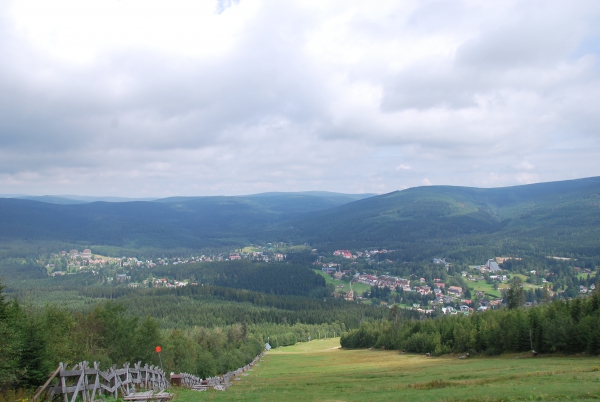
(524, 165)
(164, 98)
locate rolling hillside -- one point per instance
(555, 218)
(561, 216)
(182, 222)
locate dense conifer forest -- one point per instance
(571, 326)
(203, 330)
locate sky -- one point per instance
(205, 97)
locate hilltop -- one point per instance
(558, 218)
(188, 223)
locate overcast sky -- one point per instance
(204, 97)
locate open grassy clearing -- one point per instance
(358, 288)
(321, 371)
(526, 286)
(483, 286)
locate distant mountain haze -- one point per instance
(561, 216)
(557, 217)
(71, 199)
(184, 222)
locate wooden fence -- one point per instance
(221, 382)
(89, 383)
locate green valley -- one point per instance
(439, 270)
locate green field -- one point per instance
(483, 286)
(506, 284)
(321, 371)
(358, 288)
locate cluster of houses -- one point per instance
(358, 254)
(153, 282)
(463, 308)
(343, 253)
(394, 283)
(84, 261)
(441, 261)
(328, 268)
(585, 289)
(73, 254)
(384, 281)
(163, 282)
(445, 296)
(85, 257)
(257, 256)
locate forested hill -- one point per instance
(559, 216)
(171, 223)
(554, 218)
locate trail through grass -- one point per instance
(321, 371)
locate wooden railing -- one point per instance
(221, 382)
(88, 383)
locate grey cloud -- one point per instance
(430, 84)
(519, 52)
(440, 16)
(165, 103)
(522, 43)
(269, 116)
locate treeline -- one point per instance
(20, 269)
(211, 306)
(283, 335)
(35, 341)
(274, 278)
(571, 326)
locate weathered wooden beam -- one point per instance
(43, 387)
(75, 383)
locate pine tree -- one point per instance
(515, 295)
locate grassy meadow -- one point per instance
(321, 371)
(483, 286)
(358, 288)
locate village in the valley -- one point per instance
(434, 294)
(356, 276)
(115, 270)
(465, 290)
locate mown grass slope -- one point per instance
(321, 371)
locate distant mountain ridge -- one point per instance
(81, 199)
(323, 194)
(178, 222)
(534, 214)
(72, 199)
(561, 217)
